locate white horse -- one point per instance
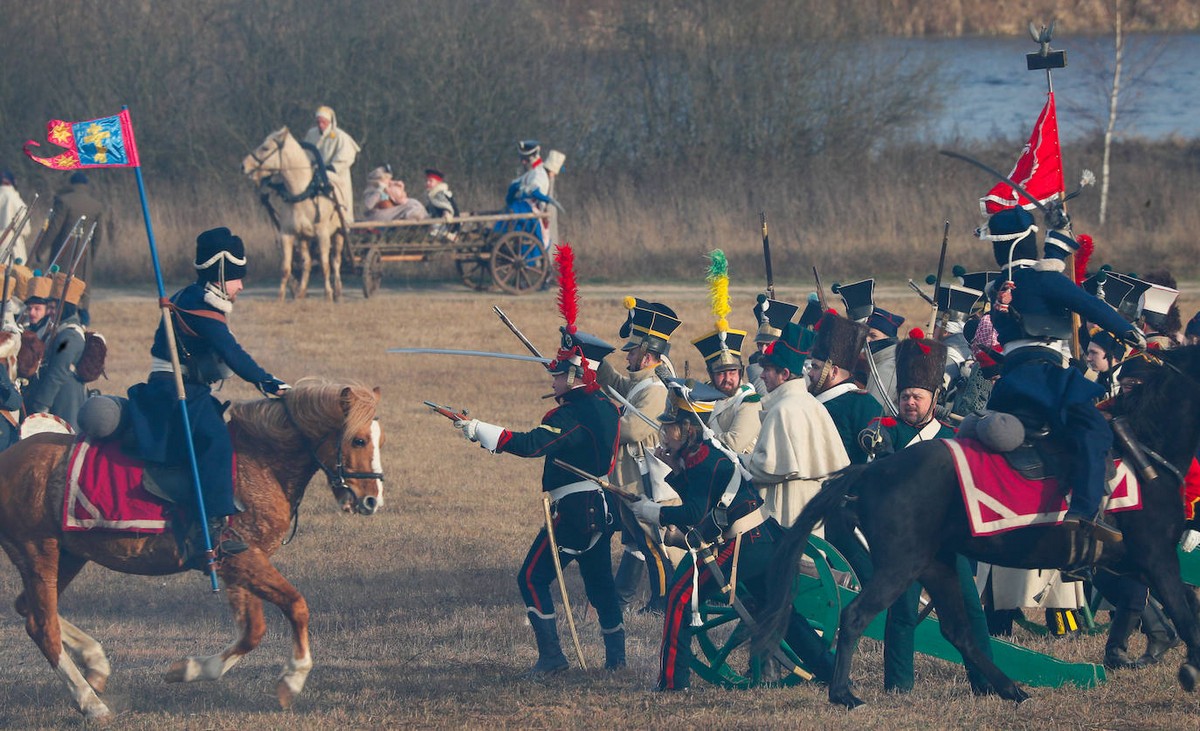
(282, 166)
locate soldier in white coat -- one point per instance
(339, 151)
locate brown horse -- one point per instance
(280, 445)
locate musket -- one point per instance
(820, 290)
(76, 231)
(37, 244)
(21, 218)
(766, 242)
(940, 270)
(603, 483)
(58, 313)
(520, 336)
(470, 353)
(7, 278)
(448, 412)
(12, 223)
(921, 293)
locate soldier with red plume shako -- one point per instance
(582, 431)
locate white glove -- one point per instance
(646, 510)
(469, 427)
(1191, 539)
(1136, 338)
(488, 435)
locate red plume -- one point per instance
(1086, 247)
(568, 288)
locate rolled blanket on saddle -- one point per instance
(996, 430)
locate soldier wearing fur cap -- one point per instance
(720, 509)
(208, 354)
(920, 378)
(648, 328)
(839, 341)
(1031, 312)
(583, 431)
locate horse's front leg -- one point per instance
(254, 571)
(941, 580)
(338, 242)
(286, 247)
(305, 268)
(323, 245)
(38, 603)
(248, 614)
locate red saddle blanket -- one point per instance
(998, 499)
(104, 491)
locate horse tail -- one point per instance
(773, 618)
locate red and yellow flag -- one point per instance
(99, 143)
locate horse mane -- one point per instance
(1160, 394)
(315, 405)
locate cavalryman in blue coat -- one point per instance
(208, 353)
(1031, 312)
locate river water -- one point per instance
(991, 94)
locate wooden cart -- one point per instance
(491, 248)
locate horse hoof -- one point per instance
(178, 672)
(285, 694)
(1188, 674)
(98, 713)
(847, 699)
(1019, 696)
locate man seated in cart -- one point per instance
(529, 192)
(385, 198)
(440, 203)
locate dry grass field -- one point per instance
(416, 618)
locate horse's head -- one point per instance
(357, 475)
(266, 159)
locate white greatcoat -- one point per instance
(736, 420)
(10, 203)
(339, 150)
(798, 447)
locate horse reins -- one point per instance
(337, 475)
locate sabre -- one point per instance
(766, 242)
(937, 283)
(997, 174)
(603, 483)
(820, 290)
(562, 585)
(520, 336)
(469, 353)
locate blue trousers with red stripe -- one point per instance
(595, 566)
(758, 546)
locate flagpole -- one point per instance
(180, 392)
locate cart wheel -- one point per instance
(475, 272)
(722, 657)
(519, 262)
(372, 271)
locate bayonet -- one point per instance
(937, 283)
(820, 290)
(766, 243)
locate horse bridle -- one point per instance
(314, 184)
(337, 475)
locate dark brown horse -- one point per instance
(910, 508)
(280, 444)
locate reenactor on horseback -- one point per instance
(720, 511)
(648, 328)
(208, 354)
(338, 153)
(1031, 312)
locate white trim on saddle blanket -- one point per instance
(115, 498)
(998, 499)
